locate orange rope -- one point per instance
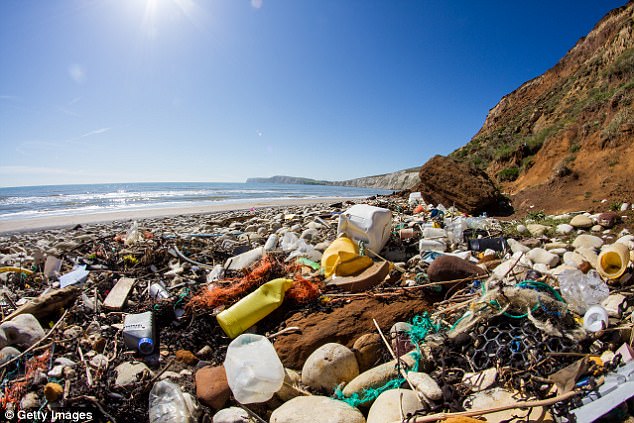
(14, 393)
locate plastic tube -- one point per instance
(613, 261)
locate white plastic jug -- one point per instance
(369, 224)
(254, 371)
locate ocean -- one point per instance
(64, 200)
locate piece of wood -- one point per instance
(119, 294)
(48, 303)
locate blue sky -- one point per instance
(191, 90)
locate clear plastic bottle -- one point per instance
(169, 404)
(254, 371)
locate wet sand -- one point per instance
(38, 223)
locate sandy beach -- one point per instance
(51, 222)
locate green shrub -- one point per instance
(509, 174)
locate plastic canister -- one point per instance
(595, 319)
(158, 291)
(613, 260)
(342, 258)
(369, 224)
(254, 307)
(138, 332)
(254, 371)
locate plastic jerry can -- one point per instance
(254, 307)
(139, 332)
(369, 224)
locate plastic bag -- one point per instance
(254, 371)
(582, 290)
(168, 404)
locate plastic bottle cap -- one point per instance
(146, 345)
(595, 319)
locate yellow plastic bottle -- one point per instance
(342, 258)
(254, 307)
(613, 261)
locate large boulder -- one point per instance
(447, 181)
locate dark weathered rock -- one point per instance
(447, 181)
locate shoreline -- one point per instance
(57, 222)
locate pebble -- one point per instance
(186, 357)
(328, 366)
(170, 375)
(539, 255)
(516, 246)
(289, 389)
(129, 373)
(596, 228)
(498, 397)
(23, 330)
(564, 229)
(8, 353)
(73, 332)
(536, 229)
(366, 349)
(481, 380)
(388, 406)
(521, 228)
(316, 409)
(581, 222)
(232, 415)
(376, 376)
(426, 385)
(587, 241)
(99, 361)
(29, 401)
(212, 388)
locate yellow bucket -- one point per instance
(613, 261)
(342, 258)
(254, 307)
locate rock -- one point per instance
(521, 228)
(539, 255)
(53, 391)
(316, 409)
(481, 380)
(8, 353)
(426, 385)
(516, 246)
(376, 376)
(232, 415)
(212, 388)
(573, 259)
(186, 357)
(99, 361)
(291, 380)
(589, 255)
(30, 400)
(73, 332)
(65, 362)
(536, 229)
(581, 222)
(328, 366)
(587, 241)
(625, 206)
(497, 397)
(367, 349)
(559, 251)
(554, 246)
(596, 228)
(56, 371)
(129, 373)
(23, 330)
(400, 340)
(564, 229)
(541, 268)
(387, 407)
(471, 190)
(205, 351)
(170, 375)
(449, 268)
(615, 304)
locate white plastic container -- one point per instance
(169, 404)
(254, 371)
(415, 198)
(369, 224)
